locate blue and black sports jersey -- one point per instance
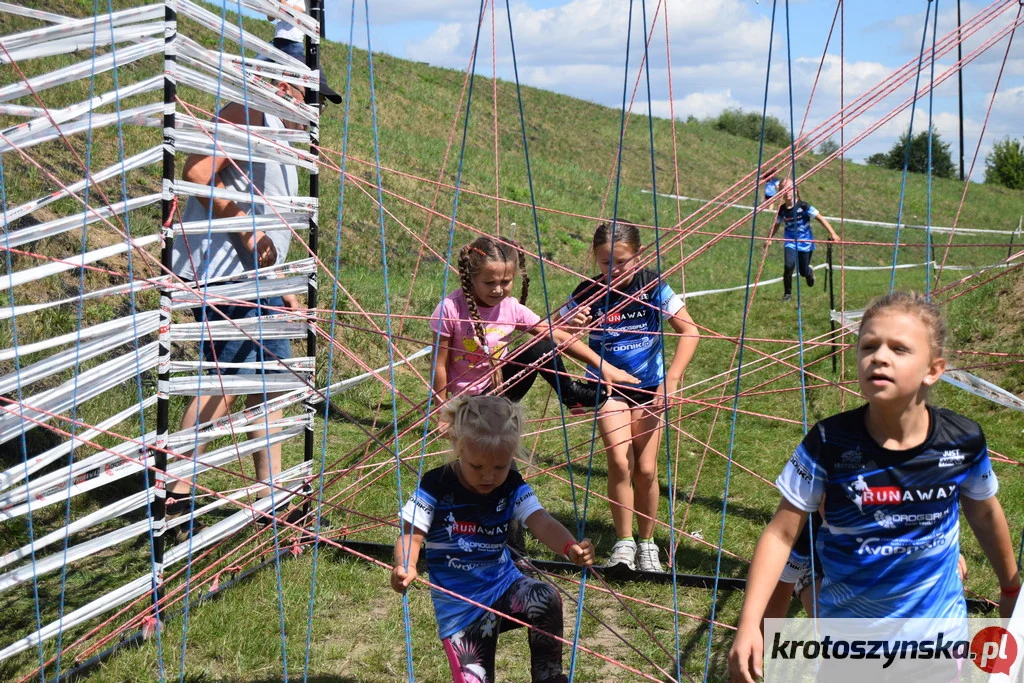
(465, 540)
(797, 220)
(891, 538)
(629, 337)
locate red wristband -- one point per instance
(570, 544)
(1010, 592)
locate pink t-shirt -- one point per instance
(468, 367)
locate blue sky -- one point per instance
(719, 55)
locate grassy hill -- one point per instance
(357, 629)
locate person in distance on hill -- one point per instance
(877, 471)
(463, 511)
(796, 216)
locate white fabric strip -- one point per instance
(37, 409)
(228, 526)
(75, 43)
(299, 471)
(80, 353)
(34, 13)
(275, 326)
(20, 110)
(18, 473)
(359, 379)
(293, 220)
(144, 115)
(186, 122)
(55, 117)
(117, 290)
(231, 31)
(105, 603)
(101, 64)
(84, 475)
(32, 233)
(73, 554)
(236, 145)
(277, 202)
(22, 277)
(282, 10)
(186, 440)
(107, 467)
(259, 96)
(219, 295)
(185, 468)
(111, 465)
(237, 385)
(150, 156)
(224, 64)
(97, 24)
(146, 320)
(229, 424)
(300, 364)
(116, 509)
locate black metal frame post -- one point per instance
(158, 507)
(313, 99)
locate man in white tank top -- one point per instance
(198, 258)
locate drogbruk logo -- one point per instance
(994, 650)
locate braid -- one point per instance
(467, 290)
(525, 291)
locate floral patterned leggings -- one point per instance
(471, 650)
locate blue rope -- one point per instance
(543, 276)
(262, 358)
(84, 247)
(21, 414)
(743, 338)
(387, 316)
(906, 152)
(931, 136)
(204, 286)
(607, 303)
(661, 340)
(330, 347)
(792, 157)
(135, 341)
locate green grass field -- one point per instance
(358, 632)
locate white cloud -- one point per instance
(719, 59)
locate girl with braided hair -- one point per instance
(463, 510)
(475, 325)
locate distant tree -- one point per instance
(828, 147)
(942, 162)
(748, 125)
(1005, 164)
(878, 159)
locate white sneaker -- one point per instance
(623, 552)
(647, 557)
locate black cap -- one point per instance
(327, 91)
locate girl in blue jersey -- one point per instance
(796, 216)
(627, 307)
(893, 475)
(463, 511)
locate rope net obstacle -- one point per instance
(148, 150)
